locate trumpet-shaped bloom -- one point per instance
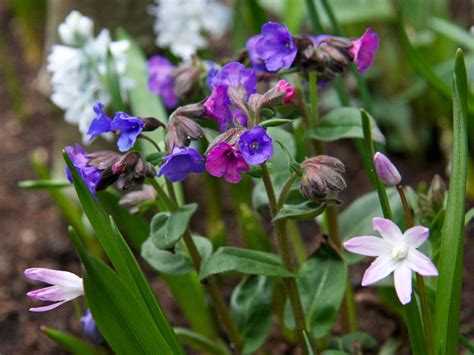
(218, 107)
(226, 161)
(396, 252)
(66, 286)
(130, 127)
(235, 74)
(101, 122)
(89, 174)
(256, 146)
(161, 80)
(363, 50)
(180, 163)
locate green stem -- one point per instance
(210, 283)
(286, 190)
(145, 137)
(289, 284)
(313, 96)
(425, 310)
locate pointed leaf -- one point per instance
(69, 342)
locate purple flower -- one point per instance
(318, 39)
(90, 329)
(257, 63)
(363, 50)
(256, 146)
(217, 107)
(180, 163)
(161, 80)
(240, 117)
(235, 74)
(66, 287)
(276, 47)
(212, 71)
(100, 124)
(225, 161)
(89, 174)
(395, 252)
(386, 171)
(130, 127)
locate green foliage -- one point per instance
(200, 342)
(69, 342)
(43, 184)
(251, 310)
(245, 261)
(301, 212)
(358, 340)
(322, 283)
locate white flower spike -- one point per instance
(396, 252)
(65, 287)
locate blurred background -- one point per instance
(409, 84)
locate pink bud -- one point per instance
(285, 87)
(386, 171)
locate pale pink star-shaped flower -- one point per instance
(396, 252)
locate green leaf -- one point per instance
(44, 184)
(448, 295)
(356, 340)
(452, 31)
(69, 342)
(468, 217)
(293, 15)
(301, 212)
(245, 261)
(274, 122)
(168, 228)
(343, 122)
(200, 342)
(279, 162)
(322, 282)
(113, 83)
(250, 306)
(156, 158)
(121, 317)
(177, 262)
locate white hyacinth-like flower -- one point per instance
(181, 25)
(79, 67)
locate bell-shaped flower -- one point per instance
(181, 162)
(224, 160)
(130, 127)
(256, 145)
(363, 50)
(396, 252)
(66, 286)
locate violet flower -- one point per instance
(396, 252)
(161, 80)
(226, 161)
(130, 127)
(217, 107)
(256, 146)
(66, 286)
(90, 329)
(180, 163)
(89, 174)
(235, 74)
(257, 63)
(275, 47)
(100, 124)
(386, 171)
(363, 50)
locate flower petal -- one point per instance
(420, 263)
(379, 269)
(367, 245)
(47, 308)
(402, 279)
(387, 229)
(416, 236)
(54, 277)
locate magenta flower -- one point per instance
(226, 161)
(130, 127)
(363, 50)
(386, 171)
(285, 87)
(89, 174)
(256, 146)
(100, 124)
(395, 252)
(66, 286)
(276, 47)
(218, 107)
(161, 80)
(180, 163)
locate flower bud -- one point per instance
(231, 137)
(132, 200)
(191, 111)
(90, 329)
(180, 130)
(126, 162)
(102, 159)
(386, 171)
(321, 174)
(437, 193)
(151, 123)
(186, 75)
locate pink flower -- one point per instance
(386, 171)
(363, 50)
(395, 252)
(226, 161)
(66, 287)
(285, 87)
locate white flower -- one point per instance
(181, 24)
(79, 68)
(396, 252)
(65, 287)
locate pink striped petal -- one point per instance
(379, 269)
(55, 293)
(387, 229)
(54, 277)
(420, 263)
(47, 308)
(367, 245)
(416, 236)
(402, 279)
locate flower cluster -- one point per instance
(78, 66)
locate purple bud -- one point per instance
(151, 123)
(321, 174)
(186, 76)
(102, 159)
(386, 171)
(90, 329)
